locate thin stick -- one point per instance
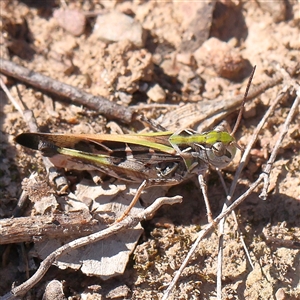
(208, 113)
(150, 106)
(133, 201)
(251, 143)
(233, 186)
(19, 106)
(128, 222)
(221, 225)
(239, 118)
(55, 176)
(221, 241)
(207, 230)
(264, 176)
(203, 187)
(100, 104)
(274, 153)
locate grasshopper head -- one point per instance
(218, 150)
(220, 154)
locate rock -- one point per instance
(72, 21)
(224, 59)
(115, 26)
(54, 290)
(277, 9)
(196, 19)
(157, 94)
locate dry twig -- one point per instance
(28, 229)
(55, 176)
(100, 104)
(233, 187)
(128, 222)
(264, 177)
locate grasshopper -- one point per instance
(157, 158)
(160, 158)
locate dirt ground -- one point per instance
(174, 63)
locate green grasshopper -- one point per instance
(158, 158)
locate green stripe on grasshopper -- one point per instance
(203, 138)
(168, 170)
(95, 158)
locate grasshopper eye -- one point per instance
(219, 149)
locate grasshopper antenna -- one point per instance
(238, 120)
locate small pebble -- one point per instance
(115, 26)
(157, 94)
(72, 21)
